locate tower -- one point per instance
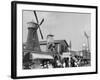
(32, 39)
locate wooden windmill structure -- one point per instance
(32, 43)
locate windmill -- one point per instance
(87, 37)
(32, 39)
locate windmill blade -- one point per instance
(39, 24)
(41, 21)
(41, 33)
(40, 29)
(36, 16)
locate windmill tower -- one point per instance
(32, 43)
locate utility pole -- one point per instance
(70, 45)
(87, 37)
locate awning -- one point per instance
(41, 56)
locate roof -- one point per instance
(40, 55)
(31, 22)
(38, 52)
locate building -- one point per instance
(61, 46)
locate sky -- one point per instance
(63, 25)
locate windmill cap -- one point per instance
(31, 22)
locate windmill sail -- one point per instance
(39, 24)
